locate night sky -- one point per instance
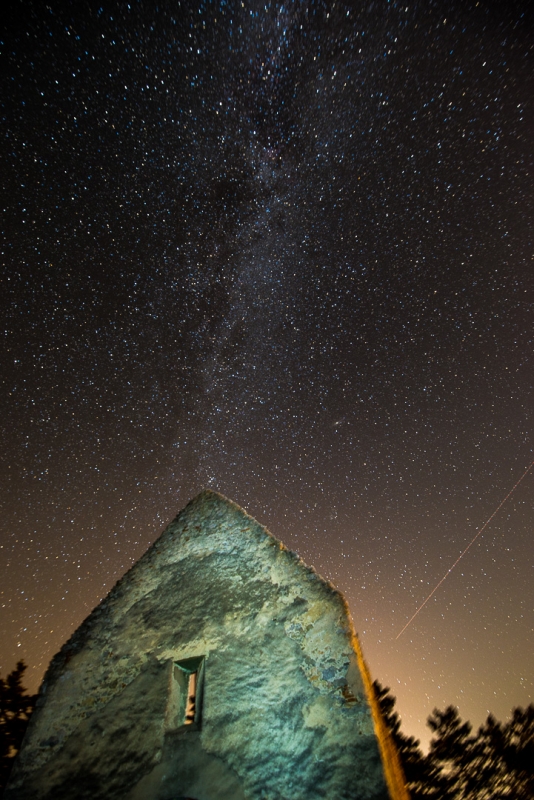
(280, 250)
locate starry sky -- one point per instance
(281, 250)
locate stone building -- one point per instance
(220, 667)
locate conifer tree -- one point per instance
(15, 710)
(496, 763)
(422, 776)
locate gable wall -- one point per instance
(284, 712)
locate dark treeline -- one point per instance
(495, 763)
(16, 707)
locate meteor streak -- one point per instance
(473, 540)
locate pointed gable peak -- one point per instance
(210, 512)
(208, 498)
(215, 530)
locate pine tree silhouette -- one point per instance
(496, 763)
(15, 710)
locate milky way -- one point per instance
(280, 250)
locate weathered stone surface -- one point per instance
(284, 714)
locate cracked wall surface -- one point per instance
(284, 716)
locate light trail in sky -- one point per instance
(462, 554)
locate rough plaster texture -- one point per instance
(284, 712)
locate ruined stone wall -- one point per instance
(283, 713)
